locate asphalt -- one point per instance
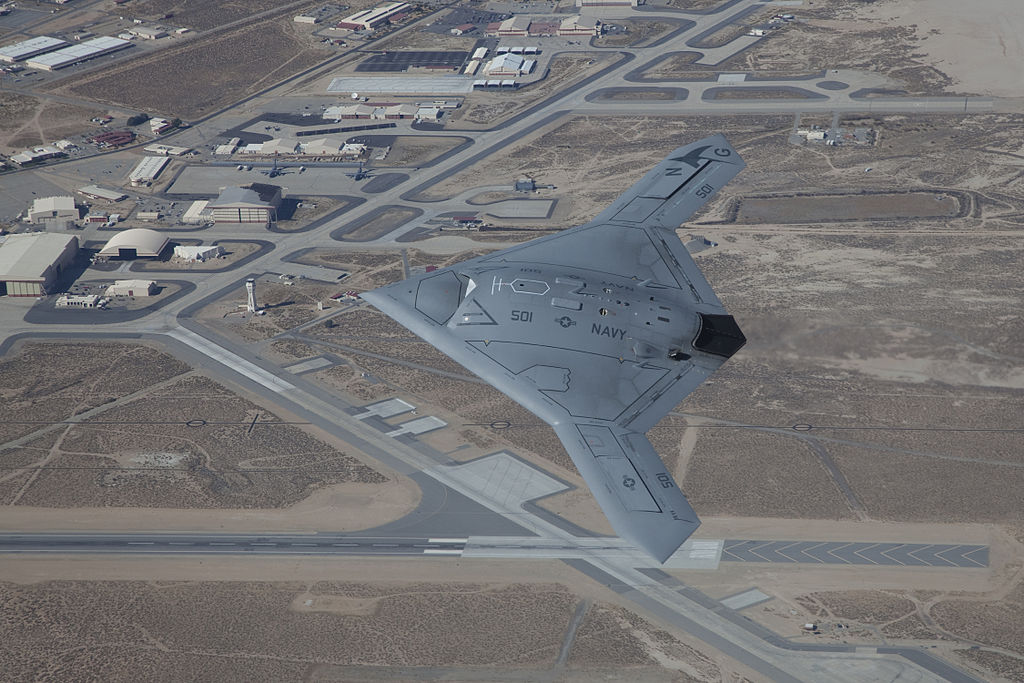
(860, 553)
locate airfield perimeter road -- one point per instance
(625, 571)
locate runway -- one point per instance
(262, 544)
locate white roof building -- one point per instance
(97, 192)
(198, 254)
(504, 65)
(134, 243)
(323, 146)
(29, 48)
(48, 208)
(30, 264)
(147, 170)
(195, 214)
(88, 49)
(132, 288)
(280, 146)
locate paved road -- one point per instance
(840, 552)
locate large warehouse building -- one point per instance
(31, 264)
(372, 18)
(135, 243)
(84, 51)
(58, 211)
(30, 48)
(256, 203)
(147, 170)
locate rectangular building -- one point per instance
(101, 193)
(578, 25)
(372, 18)
(31, 264)
(30, 48)
(131, 288)
(195, 214)
(147, 170)
(50, 208)
(254, 204)
(89, 49)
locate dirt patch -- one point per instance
(388, 220)
(189, 444)
(187, 627)
(804, 209)
(27, 121)
(204, 74)
(201, 15)
(412, 150)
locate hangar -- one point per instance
(30, 264)
(135, 243)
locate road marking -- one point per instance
(447, 540)
(307, 545)
(262, 544)
(140, 542)
(217, 543)
(179, 543)
(346, 545)
(438, 551)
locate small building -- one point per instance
(480, 53)
(36, 155)
(463, 29)
(306, 19)
(353, 150)
(227, 149)
(579, 25)
(46, 209)
(513, 26)
(132, 288)
(430, 114)
(326, 146)
(31, 264)
(280, 146)
(506, 64)
(147, 170)
(78, 301)
(256, 203)
(198, 212)
(525, 184)
(101, 193)
(167, 150)
(198, 254)
(135, 243)
(148, 32)
(148, 215)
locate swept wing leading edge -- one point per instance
(604, 380)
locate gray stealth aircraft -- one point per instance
(599, 330)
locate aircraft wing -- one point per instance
(635, 236)
(599, 378)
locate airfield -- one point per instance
(194, 491)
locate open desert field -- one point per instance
(924, 46)
(334, 630)
(148, 433)
(26, 121)
(201, 75)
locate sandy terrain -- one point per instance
(220, 70)
(26, 121)
(314, 624)
(925, 46)
(980, 50)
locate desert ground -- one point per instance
(124, 435)
(925, 46)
